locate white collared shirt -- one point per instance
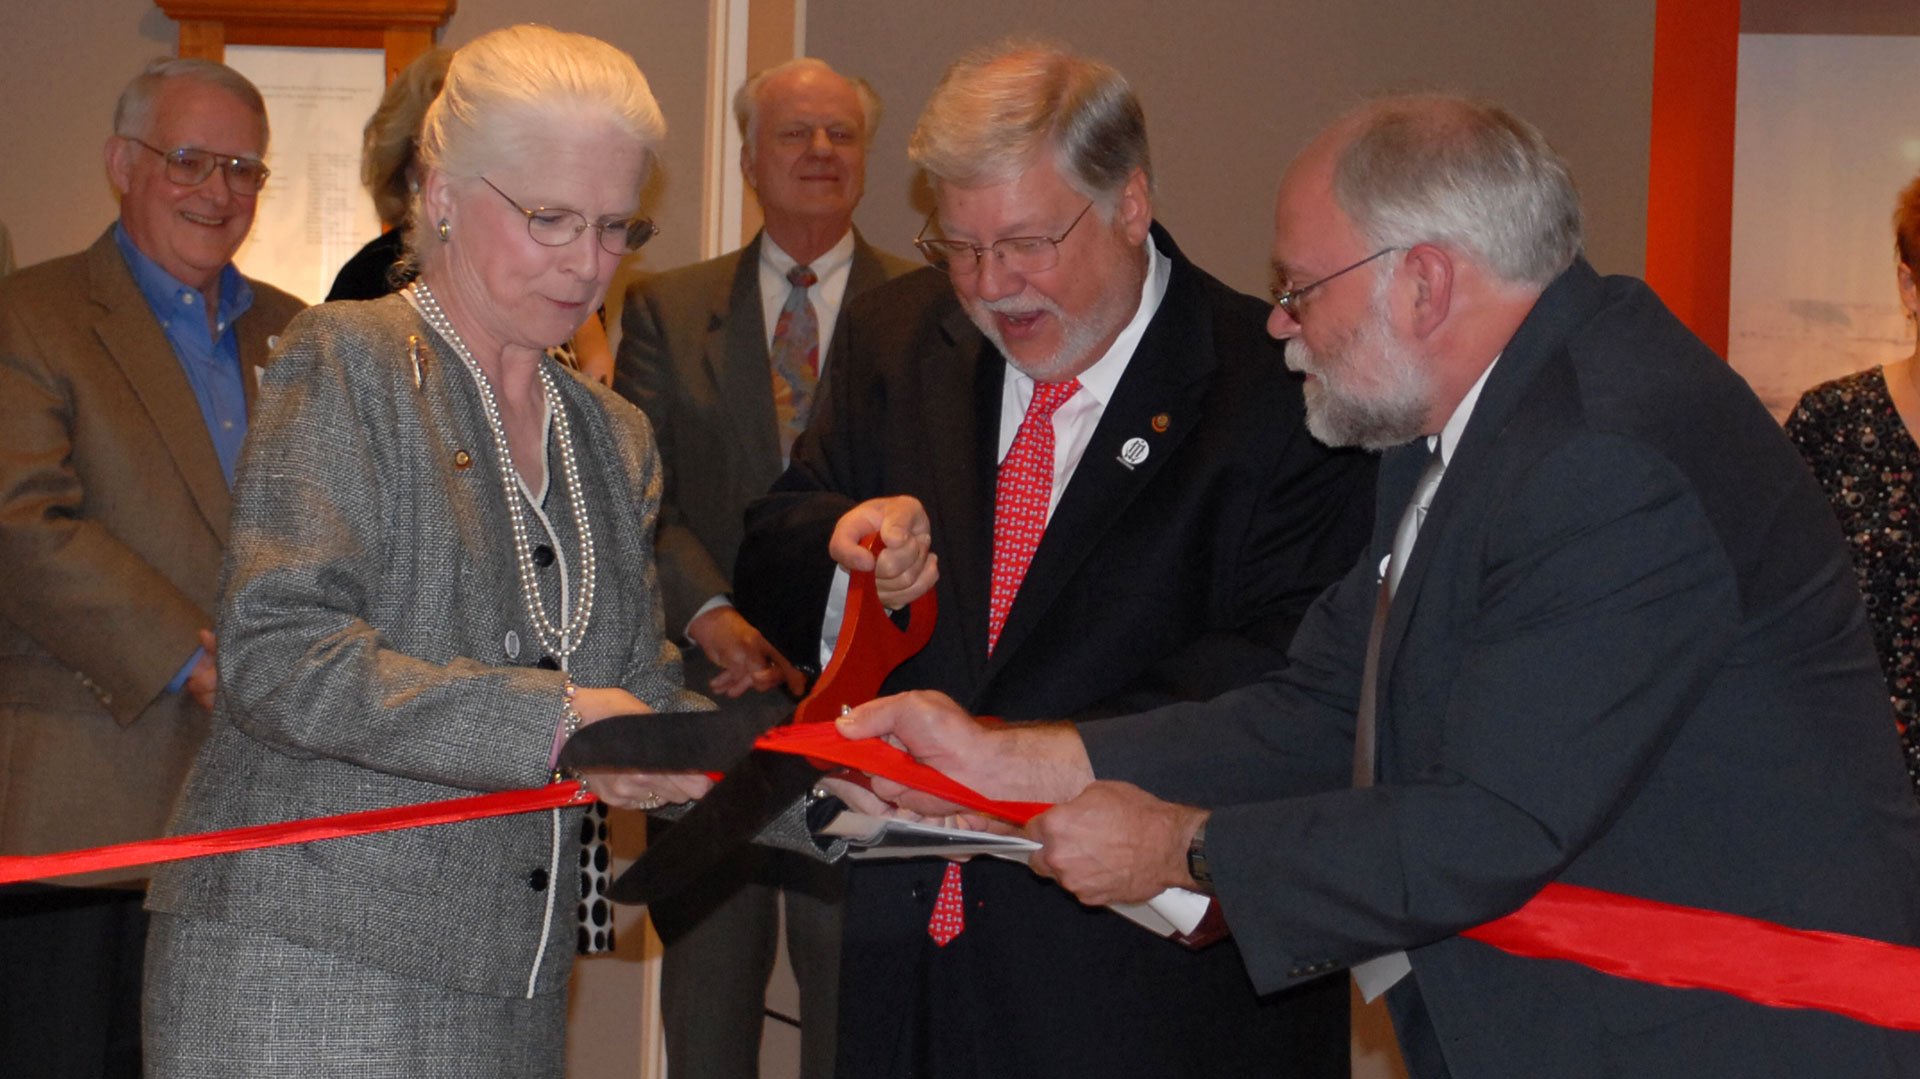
(1449, 436)
(1073, 424)
(831, 271)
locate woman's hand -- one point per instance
(632, 790)
(646, 790)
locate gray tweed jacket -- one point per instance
(375, 651)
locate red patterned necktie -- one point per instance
(796, 358)
(1020, 499)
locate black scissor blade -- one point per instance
(672, 741)
(756, 791)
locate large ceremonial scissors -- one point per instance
(758, 786)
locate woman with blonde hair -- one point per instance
(389, 170)
(440, 567)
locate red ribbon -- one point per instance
(174, 848)
(1689, 948)
(1657, 943)
(823, 741)
(1638, 939)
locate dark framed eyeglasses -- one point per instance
(190, 166)
(1020, 254)
(1289, 299)
(552, 227)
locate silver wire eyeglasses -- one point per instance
(1019, 254)
(190, 166)
(1289, 299)
(551, 227)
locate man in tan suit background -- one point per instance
(703, 353)
(125, 372)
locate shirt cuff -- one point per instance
(180, 680)
(717, 602)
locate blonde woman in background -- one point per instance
(389, 170)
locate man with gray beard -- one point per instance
(1371, 407)
(1092, 453)
(1606, 637)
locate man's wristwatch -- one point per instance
(1197, 859)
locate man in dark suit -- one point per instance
(1177, 518)
(1605, 635)
(125, 375)
(702, 354)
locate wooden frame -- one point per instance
(402, 29)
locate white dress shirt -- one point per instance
(829, 288)
(831, 271)
(1073, 424)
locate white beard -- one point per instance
(1078, 336)
(1377, 409)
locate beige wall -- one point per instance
(63, 64)
(1233, 87)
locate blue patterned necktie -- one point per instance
(796, 359)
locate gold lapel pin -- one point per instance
(1162, 422)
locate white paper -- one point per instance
(887, 837)
(1376, 976)
(1175, 910)
(313, 214)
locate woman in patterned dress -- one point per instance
(1858, 434)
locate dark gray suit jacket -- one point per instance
(1174, 577)
(113, 521)
(1628, 654)
(693, 356)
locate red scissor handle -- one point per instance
(870, 646)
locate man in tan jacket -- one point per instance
(125, 372)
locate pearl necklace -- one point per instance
(559, 641)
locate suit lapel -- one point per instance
(255, 350)
(961, 383)
(1565, 304)
(736, 358)
(139, 348)
(1166, 377)
(866, 271)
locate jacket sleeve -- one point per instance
(1604, 607)
(312, 549)
(653, 670)
(78, 591)
(644, 373)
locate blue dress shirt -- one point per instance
(210, 358)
